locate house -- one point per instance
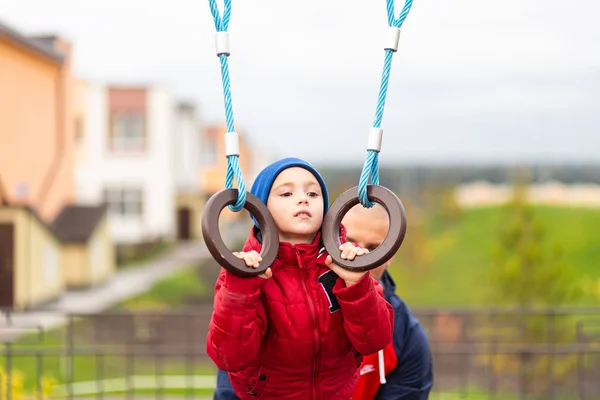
(552, 193)
(35, 122)
(82, 231)
(214, 164)
(124, 158)
(214, 167)
(30, 259)
(37, 171)
(187, 164)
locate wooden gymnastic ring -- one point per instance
(215, 244)
(392, 242)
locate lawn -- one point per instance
(133, 255)
(35, 356)
(47, 362)
(475, 394)
(172, 292)
(444, 262)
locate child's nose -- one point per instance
(303, 199)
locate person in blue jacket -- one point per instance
(409, 372)
(410, 377)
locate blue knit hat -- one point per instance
(263, 182)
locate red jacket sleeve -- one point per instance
(368, 317)
(238, 322)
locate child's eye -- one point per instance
(313, 194)
(286, 194)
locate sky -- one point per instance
(473, 81)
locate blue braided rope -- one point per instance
(233, 169)
(221, 24)
(403, 14)
(227, 92)
(233, 164)
(385, 80)
(370, 171)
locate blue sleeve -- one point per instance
(412, 379)
(224, 390)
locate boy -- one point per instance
(408, 366)
(300, 329)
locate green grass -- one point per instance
(198, 394)
(444, 263)
(133, 255)
(43, 356)
(476, 394)
(472, 395)
(171, 292)
(36, 356)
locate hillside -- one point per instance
(444, 259)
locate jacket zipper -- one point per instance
(313, 316)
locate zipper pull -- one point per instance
(299, 259)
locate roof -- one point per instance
(32, 212)
(186, 106)
(76, 224)
(40, 46)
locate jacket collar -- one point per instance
(289, 254)
(300, 254)
(389, 286)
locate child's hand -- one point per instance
(349, 252)
(253, 259)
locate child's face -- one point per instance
(296, 204)
(368, 227)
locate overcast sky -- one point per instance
(473, 80)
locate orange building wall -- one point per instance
(213, 176)
(36, 128)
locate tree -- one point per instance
(529, 272)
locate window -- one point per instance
(51, 273)
(124, 202)
(79, 129)
(210, 152)
(21, 190)
(128, 132)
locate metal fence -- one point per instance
(478, 354)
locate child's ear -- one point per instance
(343, 234)
(389, 262)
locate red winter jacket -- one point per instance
(299, 334)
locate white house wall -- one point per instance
(158, 174)
(187, 152)
(151, 171)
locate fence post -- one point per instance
(69, 356)
(551, 351)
